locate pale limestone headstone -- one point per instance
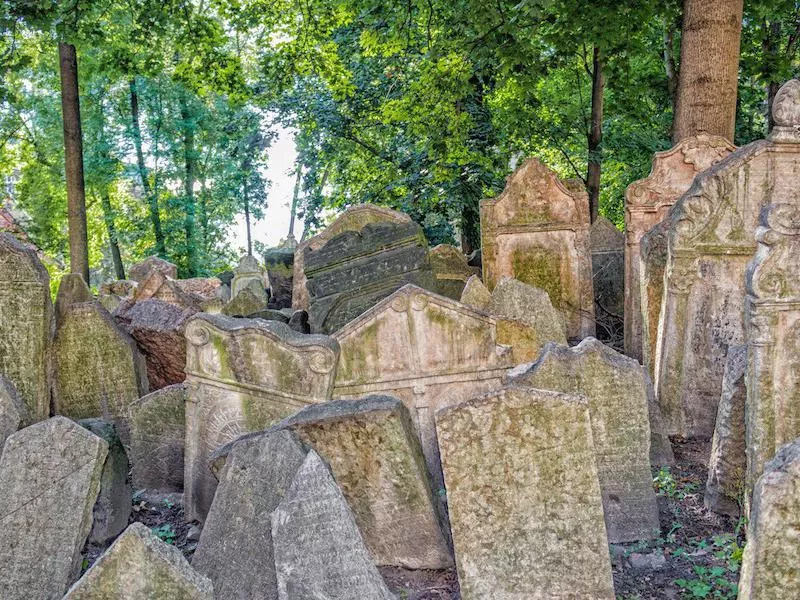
(249, 275)
(49, 481)
(26, 326)
(537, 231)
(647, 202)
(652, 262)
(376, 459)
(245, 303)
(235, 549)
(98, 369)
(139, 566)
(728, 462)
(475, 294)
(772, 553)
(12, 410)
(451, 269)
(711, 239)
(142, 270)
(158, 427)
(525, 505)
(244, 375)
(72, 289)
(319, 551)
(159, 286)
(616, 387)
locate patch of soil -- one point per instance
(422, 584)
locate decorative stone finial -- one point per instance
(786, 114)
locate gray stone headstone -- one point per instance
(319, 551)
(142, 270)
(12, 410)
(49, 482)
(72, 289)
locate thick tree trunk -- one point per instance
(113, 240)
(73, 161)
(189, 160)
(595, 136)
(149, 194)
(709, 70)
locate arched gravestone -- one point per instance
(243, 375)
(537, 231)
(711, 239)
(26, 326)
(647, 202)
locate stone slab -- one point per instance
(12, 410)
(142, 270)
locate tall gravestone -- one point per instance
(247, 275)
(279, 263)
(652, 263)
(537, 231)
(711, 239)
(524, 497)
(647, 202)
(49, 481)
(12, 410)
(616, 387)
(244, 375)
(26, 325)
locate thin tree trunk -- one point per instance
(111, 228)
(670, 67)
(595, 136)
(295, 196)
(149, 194)
(189, 158)
(73, 161)
(246, 199)
(709, 74)
(770, 47)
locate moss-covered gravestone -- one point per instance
(279, 264)
(451, 269)
(26, 326)
(524, 497)
(475, 294)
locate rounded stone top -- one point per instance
(786, 113)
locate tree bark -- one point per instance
(295, 196)
(246, 199)
(111, 228)
(149, 194)
(709, 71)
(189, 160)
(771, 47)
(595, 136)
(73, 161)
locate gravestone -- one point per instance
(160, 287)
(424, 349)
(772, 553)
(376, 459)
(158, 426)
(652, 262)
(525, 505)
(661, 453)
(728, 462)
(647, 202)
(12, 410)
(49, 481)
(475, 294)
(247, 275)
(451, 270)
(711, 238)
(144, 269)
(235, 549)
(139, 566)
(279, 263)
(72, 289)
(27, 327)
(244, 375)
(98, 370)
(608, 267)
(245, 303)
(319, 551)
(537, 231)
(616, 388)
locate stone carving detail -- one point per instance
(786, 113)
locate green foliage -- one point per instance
(165, 533)
(665, 485)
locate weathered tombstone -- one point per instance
(142, 270)
(647, 202)
(160, 287)
(475, 294)
(424, 349)
(27, 326)
(158, 426)
(244, 375)
(728, 462)
(12, 410)
(124, 288)
(72, 289)
(139, 566)
(616, 387)
(49, 481)
(537, 231)
(652, 262)
(299, 322)
(247, 275)
(235, 549)
(113, 506)
(607, 244)
(245, 303)
(98, 370)
(770, 563)
(451, 270)
(279, 263)
(319, 552)
(661, 453)
(711, 239)
(376, 459)
(524, 498)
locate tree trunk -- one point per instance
(246, 199)
(295, 196)
(709, 71)
(149, 194)
(189, 159)
(595, 136)
(670, 67)
(111, 228)
(73, 161)
(770, 45)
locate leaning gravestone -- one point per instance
(27, 326)
(319, 551)
(711, 239)
(376, 458)
(235, 549)
(451, 270)
(247, 275)
(652, 262)
(139, 566)
(475, 294)
(144, 269)
(616, 387)
(279, 263)
(244, 375)
(537, 231)
(245, 303)
(12, 410)
(72, 289)
(160, 287)
(772, 553)
(157, 427)
(524, 497)
(647, 202)
(49, 481)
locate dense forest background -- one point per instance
(421, 105)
